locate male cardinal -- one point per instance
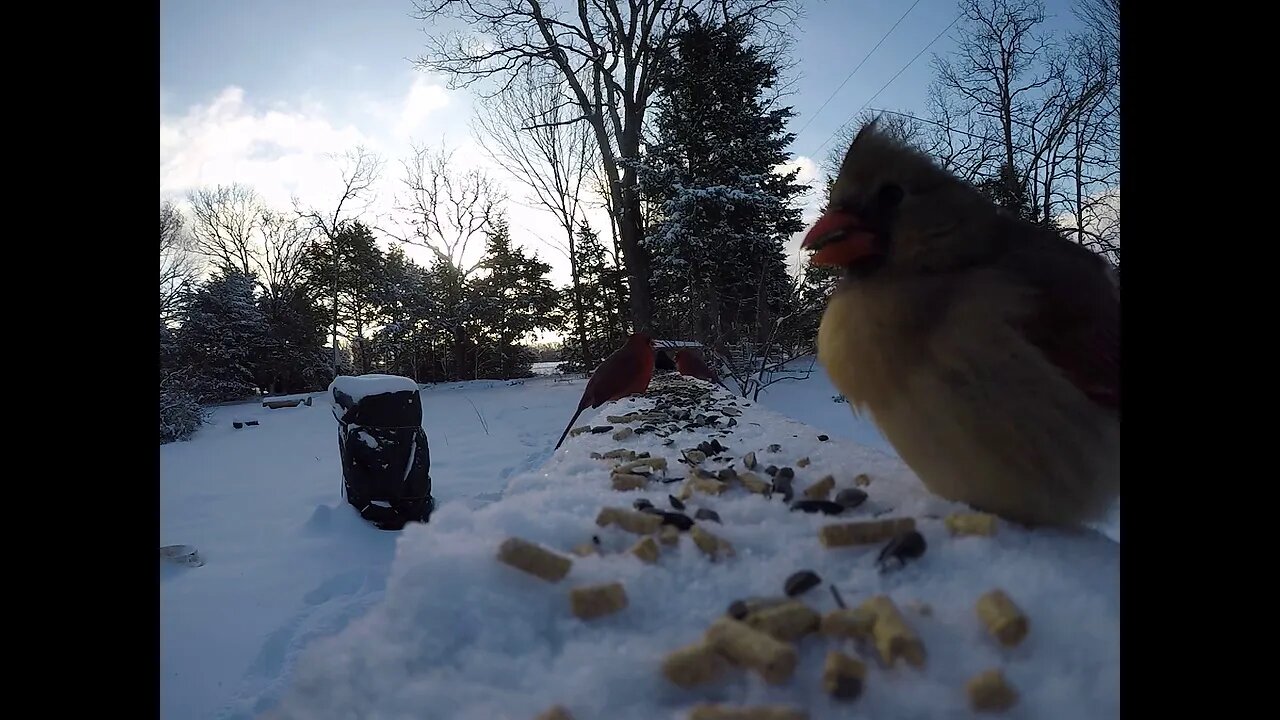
(626, 372)
(690, 363)
(986, 349)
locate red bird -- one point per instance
(626, 372)
(986, 348)
(690, 363)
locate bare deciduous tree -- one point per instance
(178, 269)
(963, 142)
(1034, 118)
(901, 126)
(607, 53)
(1092, 200)
(285, 239)
(448, 211)
(359, 170)
(529, 129)
(224, 225)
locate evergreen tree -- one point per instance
(1011, 193)
(293, 357)
(351, 284)
(724, 212)
(406, 306)
(604, 300)
(514, 298)
(222, 333)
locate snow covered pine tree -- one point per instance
(386, 462)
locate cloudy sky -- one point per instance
(262, 92)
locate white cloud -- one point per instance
(424, 98)
(808, 169)
(281, 152)
(811, 205)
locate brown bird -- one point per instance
(986, 348)
(626, 372)
(690, 363)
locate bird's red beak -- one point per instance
(839, 238)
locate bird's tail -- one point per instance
(567, 427)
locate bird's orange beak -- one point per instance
(839, 238)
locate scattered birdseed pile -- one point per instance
(688, 554)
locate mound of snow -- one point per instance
(358, 387)
(460, 635)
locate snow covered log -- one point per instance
(277, 402)
(460, 634)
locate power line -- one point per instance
(886, 85)
(855, 70)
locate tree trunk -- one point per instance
(459, 355)
(1078, 177)
(580, 316)
(763, 322)
(625, 202)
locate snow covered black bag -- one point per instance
(385, 459)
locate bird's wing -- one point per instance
(1074, 318)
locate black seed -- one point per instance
(801, 582)
(786, 473)
(675, 502)
(740, 609)
(679, 520)
(825, 507)
(848, 687)
(601, 429)
(705, 514)
(650, 510)
(771, 470)
(668, 481)
(641, 503)
(595, 539)
(907, 546)
(237, 425)
(727, 474)
(851, 497)
(775, 448)
(823, 438)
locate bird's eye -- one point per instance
(889, 196)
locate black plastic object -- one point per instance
(386, 460)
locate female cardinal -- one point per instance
(626, 372)
(690, 363)
(986, 349)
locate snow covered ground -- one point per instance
(434, 627)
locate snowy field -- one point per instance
(434, 627)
